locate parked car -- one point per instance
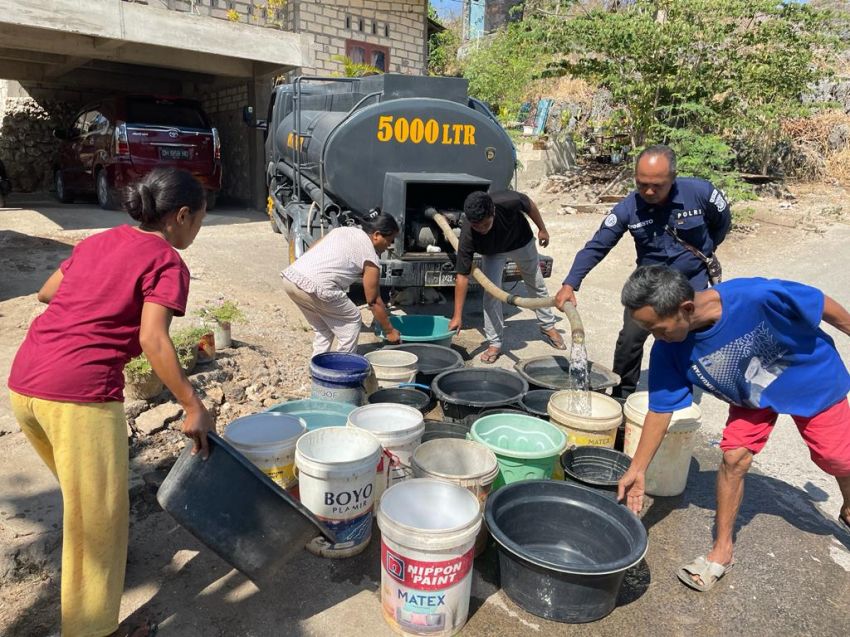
(118, 140)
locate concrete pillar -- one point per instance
(259, 93)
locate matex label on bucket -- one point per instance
(424, 597)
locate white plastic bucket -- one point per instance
(336, 472)
(667, 474)
(599, 429)
(466, 463)
(428, 530)
(399, 429)
(390, 368)
(268, 440)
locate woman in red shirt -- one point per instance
(110, 301)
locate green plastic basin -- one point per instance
(525, 447)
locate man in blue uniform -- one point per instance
(675, 221)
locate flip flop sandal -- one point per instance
(844, 522)
(489, 357)
(556, 344)
(709, 572)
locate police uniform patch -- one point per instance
(610, 220)
(718, 200)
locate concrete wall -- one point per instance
(405, 20)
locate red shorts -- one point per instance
(827, 434)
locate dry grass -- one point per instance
(818, 149)
(561, 89)
(838, 166)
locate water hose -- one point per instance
(576, 326)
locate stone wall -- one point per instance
(399, 26)
(497, 13)
(224, 107)
(28, 148)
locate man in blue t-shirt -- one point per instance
(757, 345)
(673, 220)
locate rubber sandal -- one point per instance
(490, 356)
(552, 342)
(709, 572)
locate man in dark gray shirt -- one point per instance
(496, 228)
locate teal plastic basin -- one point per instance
(422, 328)
(317, 413)
(526, 447)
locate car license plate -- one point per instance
(437, 278)
(175, 153)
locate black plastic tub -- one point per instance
(553, 372)
(536, 401)
(237, 511)
(598, 468)
(433, 359)
(467, 392)
(563, 548)
(409, 396)
(435, 429)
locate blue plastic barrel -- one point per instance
(339, 377)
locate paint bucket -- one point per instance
(268, 440)
(599, 429)
(316, 413)
(336, 473)
(526, 448)
(338, 377)
(465, 463)
(667, 474)
(390, 368)
(428, 529)
(399, 429)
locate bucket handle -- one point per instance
(416, 385)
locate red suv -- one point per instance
(118, 140)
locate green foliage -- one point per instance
(188, 337)
(221, 312)
(443, 50)
(350, 68)
(728, 70)
(500, 66)
(138, 369)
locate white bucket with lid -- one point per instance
(268, 440)
(399, 429)
(466, 463)
(667, 474)
(390, 368)
(336, 473)
(428, 529)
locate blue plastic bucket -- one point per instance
(339, 377)
(316, 413)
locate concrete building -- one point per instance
(481, 17)
(57, 55)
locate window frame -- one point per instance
(369, 48)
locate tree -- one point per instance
(728, 68)
(443, 49)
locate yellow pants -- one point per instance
(85, 446)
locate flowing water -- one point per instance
(579, 381)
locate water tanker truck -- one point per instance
(338, 148)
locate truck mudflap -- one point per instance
(418, 273)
